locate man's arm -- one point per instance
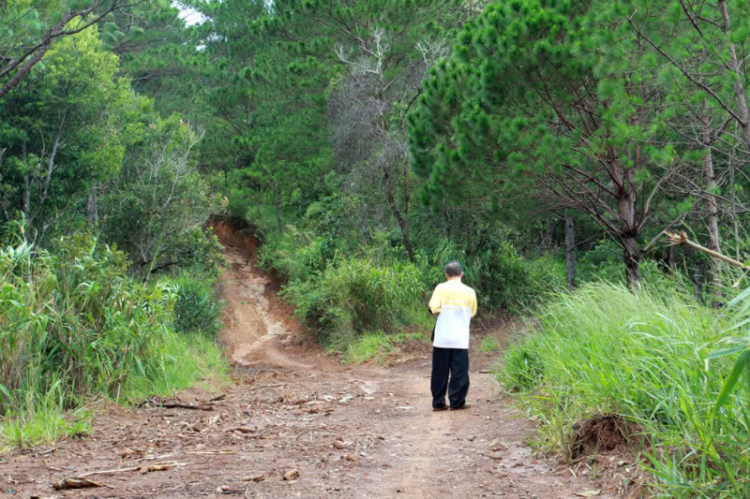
(474, 305)
(435, 302)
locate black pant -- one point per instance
(453, 363)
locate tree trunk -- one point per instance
(570, 252)
(92, 206)
(739, 91)
(713, 216)
(278, 218)
(734, 203)
(671, 260)
(397, 214)
(632, 261)
(27, 195)
(626, 210)
(26, 185)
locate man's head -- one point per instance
(453, 270)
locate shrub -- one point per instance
(642, 356)
(361, 295)
(197, 307)
(75, 323)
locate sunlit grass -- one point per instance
(644, 356)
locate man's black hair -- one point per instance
(453, 269)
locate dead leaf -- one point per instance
(126, 453)
(291, 475)
(75, 483)
(589, 493)
(155, 467)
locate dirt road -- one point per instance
(295, 413)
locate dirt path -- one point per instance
(350, 432)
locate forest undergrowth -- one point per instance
(76, 326)
(650, 358)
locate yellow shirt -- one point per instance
(457, 304)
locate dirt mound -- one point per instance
(237, 234)
(602, 433)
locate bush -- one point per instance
(360, 295)
(197, 307)
(74, 324)
(505, 280)
(642, 356)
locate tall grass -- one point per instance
(644, 356)
(75, 324)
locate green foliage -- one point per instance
(197, 308)
(489, 344)
(73, 324)
(361, 295)
(648, 357)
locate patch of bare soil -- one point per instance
(298, 424)
(601, 433)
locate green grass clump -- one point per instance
(489, 344)
(75, 324)
(643, 356)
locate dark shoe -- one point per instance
(461, 407)
(440, 408)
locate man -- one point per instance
(456, 304)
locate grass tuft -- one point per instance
(645, 357)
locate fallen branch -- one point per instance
(682, 239)
(76, 483)
(177, 405)
(109, 472)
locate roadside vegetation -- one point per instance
(648, 357)
(547, 145)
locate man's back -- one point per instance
(457, 304)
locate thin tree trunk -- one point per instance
(570, 252)
(26, 195)
(397, 214)
(626, 208)
(26, 185)
(739, 91)
(51, 162)
(671, 260)
(278, 219)
(92, 206)
(734, 203)
(713, 216)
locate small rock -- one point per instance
(351, 458)
(400, 490)
(127, 453)
(471, 439)
(346, 399)
(338, 444)
(291, 475)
